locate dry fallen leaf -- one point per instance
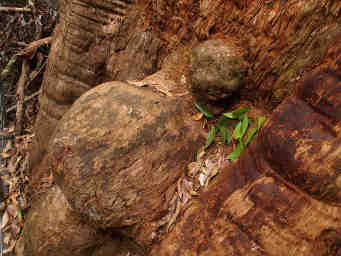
(7, 238)
(193, 169)
(5, 219)
(137, 83)
(12, 210)
(15, 229)
(198, 116)
(5, 155)
(175, 215)
(8, 147)
(11, 247)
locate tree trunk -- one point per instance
(97, 41)
(89, 32)
(281, 198)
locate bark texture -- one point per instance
(117, 40)
(282, 197)
(91, 36)
(53, 228)
(216, 69)
(120, 150)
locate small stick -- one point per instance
(15, 9)
(30, 49)
(21, 96)
(26, 99)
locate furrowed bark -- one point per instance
(282, 197)
(93, 43)
(88, 34)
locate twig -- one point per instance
(21, 96)
(15, 9)
(36, 72)
(8, 31)
(26, 99)
(9, 67)
(30, 50)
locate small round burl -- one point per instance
(217, 69)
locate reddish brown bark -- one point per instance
(281, 198)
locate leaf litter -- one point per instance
(201, 172)
(14, 178)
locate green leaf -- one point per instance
(255, 130)
(225, 135)
(244, 126)
(236, 153)
(222, 121)
(261, 120)
(237, 131)
(211, 136)
(251, 135)
(206, 112)
(241, 128)
(237, 113)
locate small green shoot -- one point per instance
(261, 120)
(241, 128)
(224, 131)
(237, 113)
(211, 136)
(239, 131)
(251, 135)
(236, 153)
(225, 135)
(255, 130)
(206, 112)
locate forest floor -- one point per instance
(24, 46)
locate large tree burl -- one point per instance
(119, 151)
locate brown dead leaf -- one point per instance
(13, 164)
(7, 238)
(5, 219)
(5, 155)
(11, 247)
(8, 147)
(12, 210)
(174, 216)
(2, 206)
(198, 116)
(15, 228)
(137, 83)
(193, 169)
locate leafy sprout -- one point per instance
(203, 110)
(239, 132)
